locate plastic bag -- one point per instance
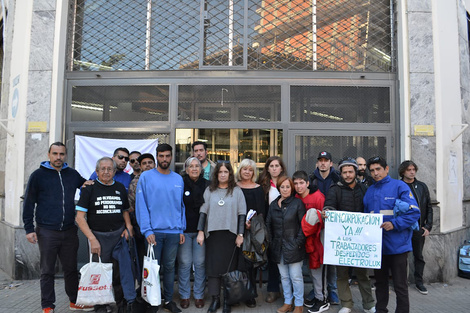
(151, 279)
(96, 284)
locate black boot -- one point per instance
(215, 304)
(227, 307)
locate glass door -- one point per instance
(233, 145)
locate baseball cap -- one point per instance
(325, 155)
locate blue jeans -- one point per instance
(292, 280)
(331, 280)
(190, 253)
(165, 252)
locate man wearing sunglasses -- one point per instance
(120, 157)
(134, 163)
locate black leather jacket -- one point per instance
(284, 227)
(421, 192)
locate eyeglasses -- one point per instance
(120, 157)
(132, 161)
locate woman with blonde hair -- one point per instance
(255, 200)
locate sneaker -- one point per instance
(75, 307)
(319, 306)
(371, 310)
(344, 310)
(333, 298)
(422, 290)
(171, 306)
(48, 310)
(309, 303)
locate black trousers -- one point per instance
(398, 265)
(417, 242)
(53, 244)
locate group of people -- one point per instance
(199, 220)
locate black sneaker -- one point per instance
(422, 290)
(309, 303)
(171, 306)
(319, 306)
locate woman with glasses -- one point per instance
(273, 169)
(255, 200)
(287, 248)
(190, 253)
(221, 227)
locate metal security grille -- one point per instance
(306, 35)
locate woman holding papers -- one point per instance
(221, 226)
(255, 200)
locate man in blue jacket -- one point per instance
(380, 198)
(50, 197)
(160, 214)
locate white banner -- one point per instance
(353, 239)
(89, 149)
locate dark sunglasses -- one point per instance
(120, 157)
(223, 161)
(132, 161)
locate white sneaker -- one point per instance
(344, 310)
(371, 310)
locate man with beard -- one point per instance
(200, 152)
(324, 177)
(362, 175)
(134, 163)
(49, 197)
(347, 195)
(120, 157)
(160, 214)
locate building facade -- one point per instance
(252, 79)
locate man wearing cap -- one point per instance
(120, 157)
(381, 198)
(324, 177)
(134, 163)
(362, 175)
(347, 195)
(407, 171)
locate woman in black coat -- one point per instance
(287, 246)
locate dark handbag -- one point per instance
(237, 285)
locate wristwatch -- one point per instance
(241, 235)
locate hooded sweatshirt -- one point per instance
(51, 193)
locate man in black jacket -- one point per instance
(347, 195)
(50, 197)
(407, 171)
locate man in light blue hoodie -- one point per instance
(397, 231)
(160, 214)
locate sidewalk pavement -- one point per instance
(24, 297)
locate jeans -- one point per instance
(63, 244)
(292, 279)
(331, 279)
(191, 253)
(398, 264)
(364, 287)
(165, 251)
(417, 241)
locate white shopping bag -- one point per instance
(96, 284)
(151, 279)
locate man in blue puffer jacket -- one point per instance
(50, 197)
(396, 239)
